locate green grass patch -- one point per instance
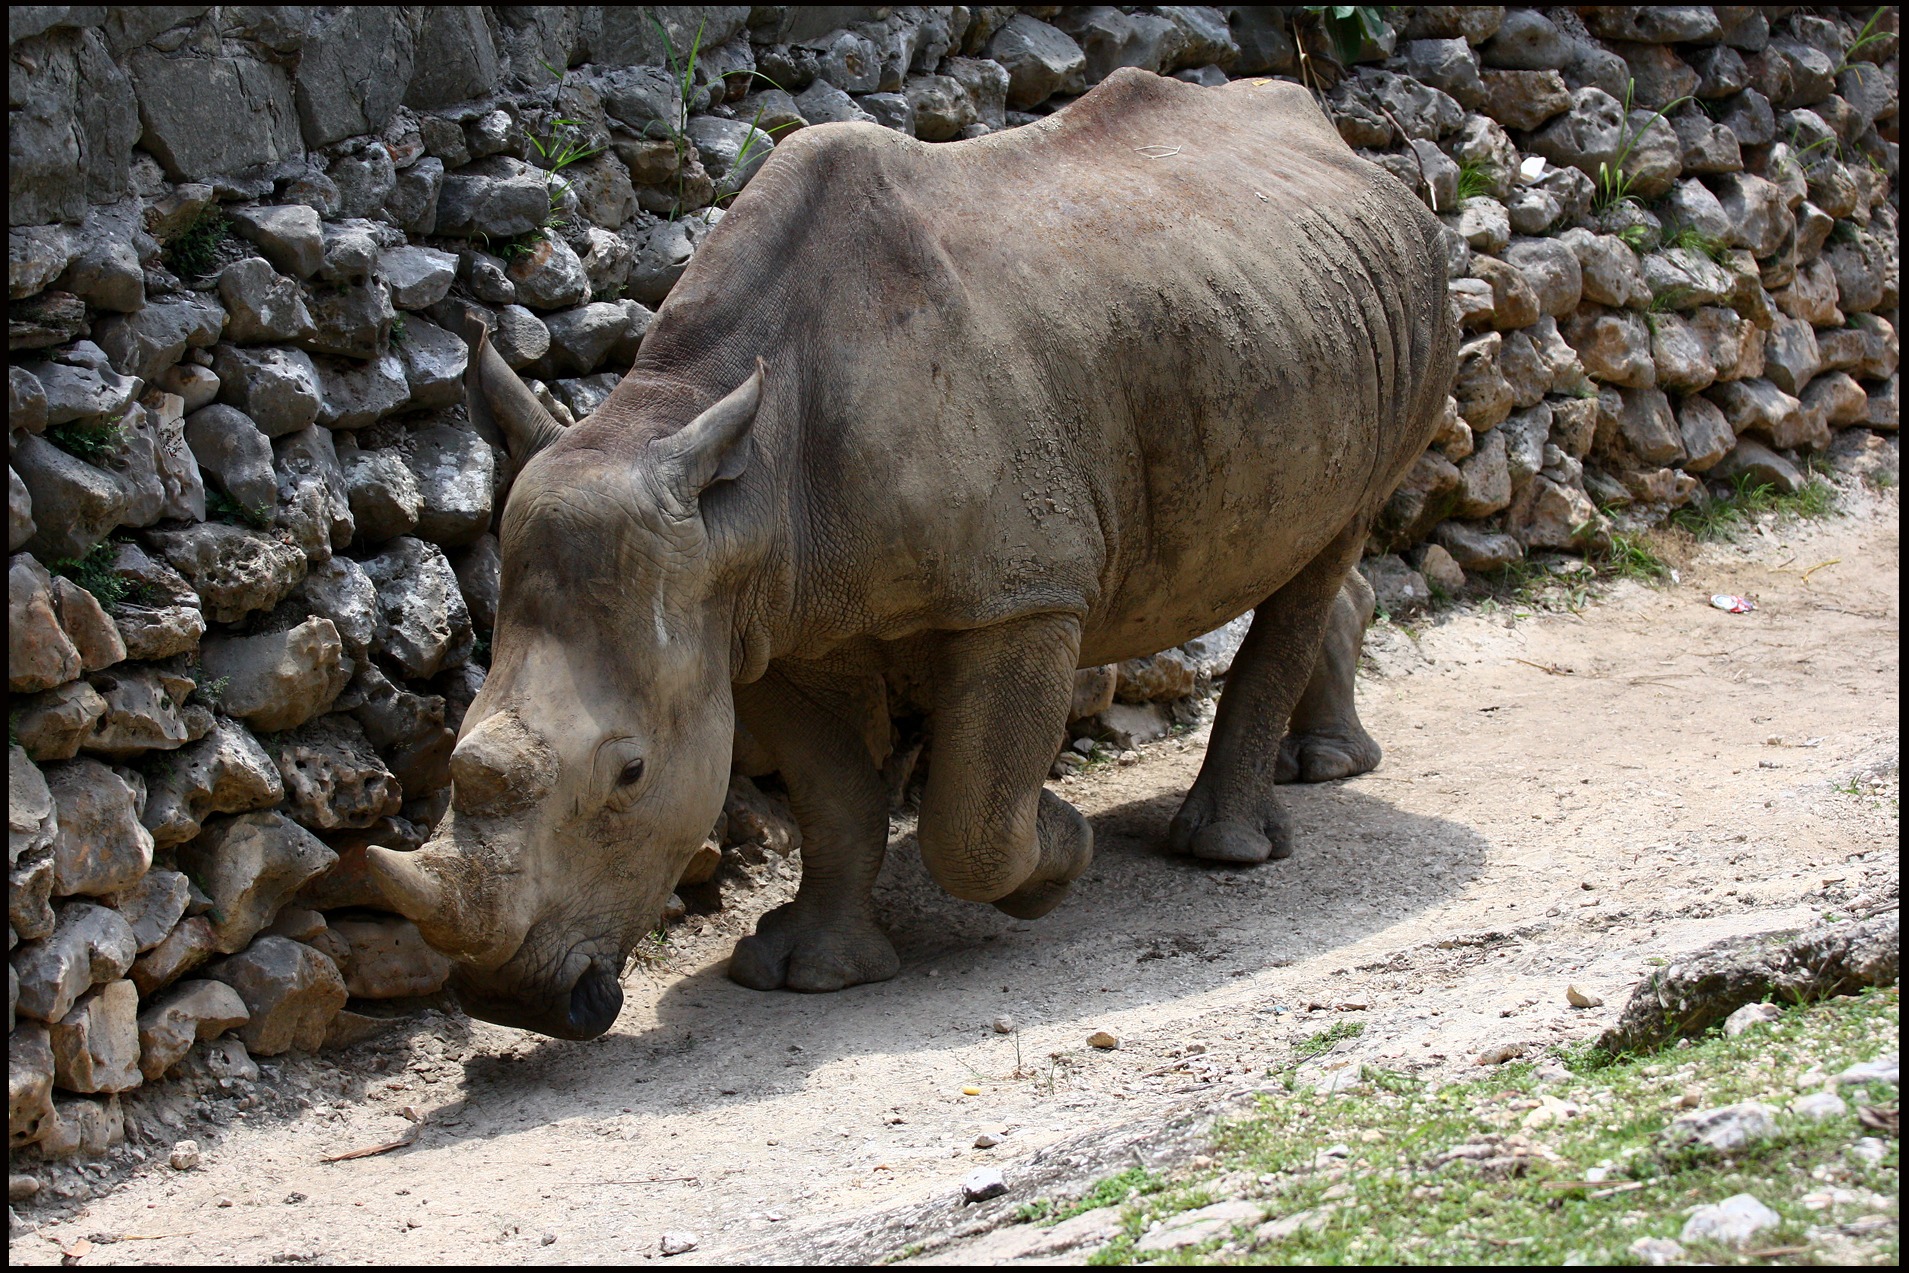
(1724, 517)
(94, 572)
(90, 441)
(192, 251)
(1576, 1166)
(1630, 556)
(222, 507)
(1474, 179)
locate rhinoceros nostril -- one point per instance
(594, 1002)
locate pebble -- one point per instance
(1728, 1127)
(1657, 1251)
(1869, 1150)
(971, 1090)
(1732, 1222)
(1886, 1069)
(983, 1183)
(1750, 1016)
(1004, 1024)
(21, 1187)
(674, 1243)
(549, 1239)
(1581, 998)
(1817, 1106)
(185, 1155)
(985, 1141)
(1103, 1039)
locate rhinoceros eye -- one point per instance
(632, 773)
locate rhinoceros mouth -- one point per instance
(584, 1010)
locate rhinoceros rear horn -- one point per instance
(501, 407)
(715, 446)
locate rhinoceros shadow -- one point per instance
(1140, 928)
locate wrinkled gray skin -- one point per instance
(1042, 400)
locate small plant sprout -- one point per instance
(1614, 182)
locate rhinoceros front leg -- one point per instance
(989, 830)
(1232, 813)
(827, 938)
(1325, 739)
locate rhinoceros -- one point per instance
(974, 414)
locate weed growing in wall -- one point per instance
(94, 572)
(192, 251)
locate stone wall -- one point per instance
(253, 569)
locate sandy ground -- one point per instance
(1563, 797)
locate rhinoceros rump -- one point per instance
(970, 415)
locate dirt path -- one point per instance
(1563, 797)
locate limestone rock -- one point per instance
(277, 389)
(497, 197)
(333, 777)
(236, 454)
(355, 394)
(153, 905)
(144, 710)
(1039, 59)
(1790, 356)
(101, 847)
(290, 991)
(389, 959)
(1160, 677)
(279, 680)
(312, 501)
(224, 772)
(1484, 396)
(264, 305)
(29, 1084)
(96, 1044)
(1614, 345)
(1524, 99)
(1705, 433)
(1485, 478)
(40, 655)
(145, 343)
(75, 504)
(581, 338)
(434, 362)
(1477, 548)
(249, 866)
(383, 492)
(428, 627)
(350, 321)
(193, 1011)
(453, 472)
(234, 570)
(51, 726)
(188, 945)
(289, 235)
(340, 591)
(89, 945)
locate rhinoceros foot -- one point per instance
(1067, 847)
(805, 951)
(1202, 832)
(1322, 757)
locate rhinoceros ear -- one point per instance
(715, 446)
(501, 407)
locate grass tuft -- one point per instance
(94, 572)
(91, 442)
(1724, 517)
(192, 251)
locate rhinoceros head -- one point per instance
(595, 758)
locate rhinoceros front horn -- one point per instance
(407, 883)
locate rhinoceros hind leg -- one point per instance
(1232, 813)
(809, 720)
(989, 830)
(1325, 739)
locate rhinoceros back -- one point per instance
(1142, 359)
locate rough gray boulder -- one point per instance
(1696, 991)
